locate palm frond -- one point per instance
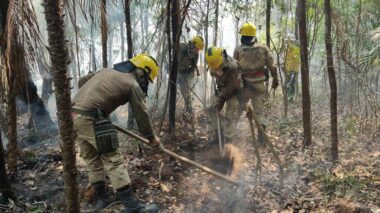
(22, 38)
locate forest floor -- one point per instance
(311, 182)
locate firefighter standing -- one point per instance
(96, 136)
(292, 64)
(226, 71)
(187, 65)
(255, 59)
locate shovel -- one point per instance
(178, 157)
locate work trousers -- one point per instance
(98, 164)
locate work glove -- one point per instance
(275, 83)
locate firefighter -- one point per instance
(187, 65)
(97, 137)
(291, 68)
(226, 72)
(255, 61)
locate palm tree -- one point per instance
(58, 63)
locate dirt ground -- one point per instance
(311, 182)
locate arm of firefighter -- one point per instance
(137, 102)
(84, 79)
(231, 86)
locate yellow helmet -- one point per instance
(147, 63)
(198, 41)
(248, 29)
(214, 57)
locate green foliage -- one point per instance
(35, 210)
(344, 186)
(350, 125)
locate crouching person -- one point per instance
(228, 87)
(97, 137)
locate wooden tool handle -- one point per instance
(179, 157)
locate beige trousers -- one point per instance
(98, 164)
(230, 118)
(257, 97)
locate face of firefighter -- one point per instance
(143, 80)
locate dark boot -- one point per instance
(132, 204)
(261, 137)
(102, 197)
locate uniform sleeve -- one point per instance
(137, 102)
(232, 84)
(84, 79)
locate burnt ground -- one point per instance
(311, 182)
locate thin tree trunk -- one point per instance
(205, 74)
(12, 133)
(267, 32)
(176, 32)
(76, 47)
(127, 13)
(332, 81)
(58, 60)
(237, 23)
(5, 185)
(306, 111)
(110, 55)
(75, 62)
(93, 52)
(269, 5)
(122, 45)
(296, 23)
(216, 23)
(104, 29)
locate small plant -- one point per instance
(343, 187)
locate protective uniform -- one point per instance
(292, 64)
(100, 95)
(107, 90)
(226, 72)
(187, 65)
(254, 60)
(85, 78)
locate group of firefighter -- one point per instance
(238, 79)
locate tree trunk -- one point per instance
(216, 23)
(269, 5)
(76, 47)
(104, 29)
(58, 62)
(40, 118)
(267, 32)
(12, 133)
(127, 13)
(332, 81)
(176, 32)
(110, 55)
(306, 112)
(296, 23)
(205, 74)
(122, 40)
(93, 52)
(5, 185)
